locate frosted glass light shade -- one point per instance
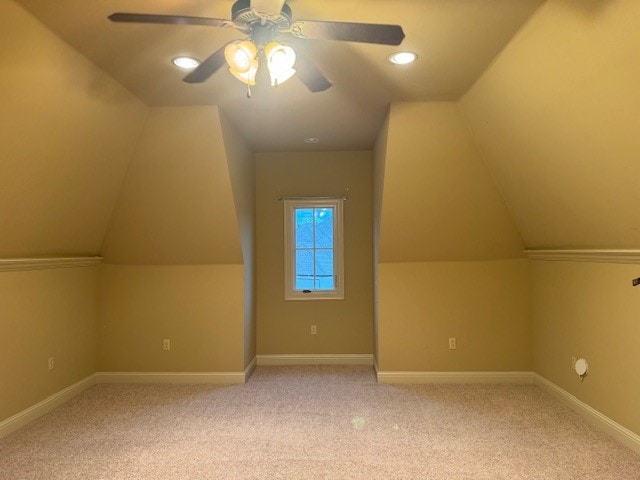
(242, 58)
(280, 61)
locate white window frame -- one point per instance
(290, 205)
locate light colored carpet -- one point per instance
(313, 423)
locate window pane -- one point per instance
(304, 227)
(324, 269)
(324, 227)
(304, 270)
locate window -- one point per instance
(313, 249)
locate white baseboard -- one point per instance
(43, 407)
(455, 377)
(250, 368)
(317, 359)
(590, 414)
(230, 378)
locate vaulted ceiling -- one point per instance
(540, 141)
(455, 41)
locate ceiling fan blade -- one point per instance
(207, 68)
(349, 32)
(168, 19)
(268, 7)
(311, 75)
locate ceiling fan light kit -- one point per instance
(280, 61)
(242, 58)
(264, 22)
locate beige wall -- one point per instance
(241, 163)
(439, 201)
(379, 155)
(484, 305)
(176, 205)
(447, 251)
(198, 307)
(590, 310)
(344, 326)
(45, 313)
(67, 131)
(556, 117)
(174, 250)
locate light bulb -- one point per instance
(241, 59)
(280, 61)
(240, 55)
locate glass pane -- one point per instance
(304, 227)
(324, 227)
(324, 269)
(304, 269)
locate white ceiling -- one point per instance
(454, 39)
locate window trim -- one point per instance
(290, 205)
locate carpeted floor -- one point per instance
(313, 423)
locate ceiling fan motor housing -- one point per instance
(249, 20)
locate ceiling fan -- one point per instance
(266, 23)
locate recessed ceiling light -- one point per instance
(186, 63)
(311, 140)
(402, 58)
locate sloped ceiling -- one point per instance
(67, 131)
(439, 202)
(455, 41)
(556, 117)
(176, 205)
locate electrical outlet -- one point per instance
(573, 364)
(452, 343)
(314, 330)
(166, 344)
(52, 363)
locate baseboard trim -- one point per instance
(454, 377)
(590, 414)
(250, 368)
(43, 407)
(230, 378)
(317, 359)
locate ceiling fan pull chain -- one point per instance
(248, 91)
